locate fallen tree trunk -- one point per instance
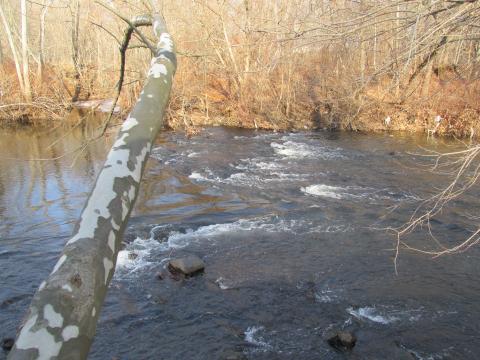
(63, 315)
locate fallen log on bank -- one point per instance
(62, 317)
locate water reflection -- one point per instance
(45, 194)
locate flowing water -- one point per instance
(289, 226)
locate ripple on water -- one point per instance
(386, 315)
(253, 335)
(137, 255)
(296, 150)
(354, 193)
(247, 179)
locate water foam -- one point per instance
(222, 283)
(136, 256)
(295, 150)
(327, 295)
(266, 224)
(386, 314)
(247, 179)
(253, 337)
(331, 228)
(372, 314)
(356, 193)
(334, 192)
(292, 149)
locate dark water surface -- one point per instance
(289, 228)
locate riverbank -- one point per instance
(378, 117)
(447, 107)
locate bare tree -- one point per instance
(24, 40)
(75, 13)
(1, 52)
(13, 49)
(41, 50)
(465, 165)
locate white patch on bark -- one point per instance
(108, 265)
(157, 28)
(40, 340)
(150, 96)
(70, 332)
(138, 166)
(129, 123)
(111, 241)
(165, 42)
(94, 311)
(157, 70)
(115, 226)
(59, 263)
(42, 286)
(120, 141)
(53, 318)
(131, 193)
(67, 287)
(103, 193)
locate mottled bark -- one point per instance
(62, 318)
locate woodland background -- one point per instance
(279, 64)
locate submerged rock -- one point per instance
(233, 355)
(7, 344)
(342, 340)
(402, 354)
(189, 265)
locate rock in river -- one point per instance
(188, 265)
(7, 344)
(343, 340)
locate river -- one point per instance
(290, 226)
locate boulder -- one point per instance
(342, 340)
(189, 265)
(233, 354)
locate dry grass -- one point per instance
(271, 65)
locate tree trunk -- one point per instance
(75, 49)
(41, 50)
(1, 52)
(26, 78)
(13, 49)
(62, 318)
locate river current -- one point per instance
(291, 227)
